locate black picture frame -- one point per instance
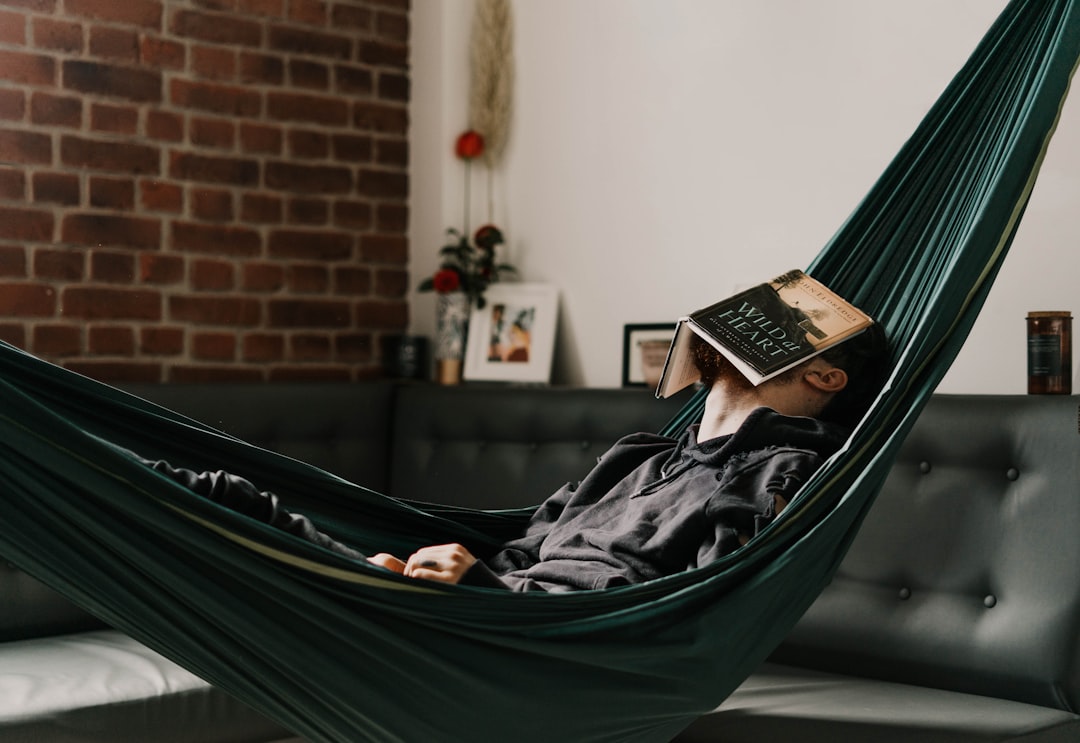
(633, 375)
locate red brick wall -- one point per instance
(204, 189)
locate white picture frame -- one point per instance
(512, 337)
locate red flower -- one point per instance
(488, 236)
(470, 145)
(446, 280)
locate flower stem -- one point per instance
(467, 181)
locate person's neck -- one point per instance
(725, 412)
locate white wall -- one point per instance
(666, 151)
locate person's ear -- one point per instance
(831, 379)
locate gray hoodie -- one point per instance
(655, 506)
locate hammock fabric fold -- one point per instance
(338, 650)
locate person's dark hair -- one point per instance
(712, 365)
(865, 359)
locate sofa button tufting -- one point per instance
(1012, 473)
(534, 446)
(905, 593)
(924, 467)
(585, 445)
(990, 601)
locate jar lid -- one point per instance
(1036, 315)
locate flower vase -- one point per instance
(451, 329)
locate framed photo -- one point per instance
(645, 349)
(512, 339)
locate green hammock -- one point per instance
(340, 651)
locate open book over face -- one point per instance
(764, 330)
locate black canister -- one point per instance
(406, 357)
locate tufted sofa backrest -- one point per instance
(506, 447)
(966, 572)
(339, 426)
(32, 609)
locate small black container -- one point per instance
(406, 357)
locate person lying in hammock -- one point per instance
(653, 505)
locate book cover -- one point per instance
(764, 330)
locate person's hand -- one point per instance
(388, 561)
(444, 562)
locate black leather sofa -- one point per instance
(954, 617)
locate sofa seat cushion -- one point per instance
(789, 703)
(105, 686)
